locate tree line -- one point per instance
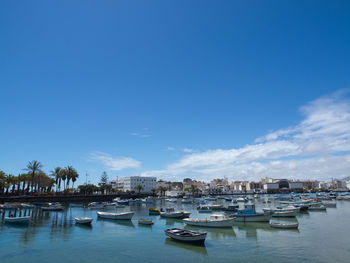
(35, 181)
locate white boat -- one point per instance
(17, 220)
(116, 216)
(186, 235)
(83, 220)
(145, 221)
(171, 213)
(286, 213)
(215, 220)
(284, 225)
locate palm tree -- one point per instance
(57, 173)
(72, 174)
(34, 167)
(64, 178)
(139, 188)
(2, 181)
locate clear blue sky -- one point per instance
(133, 78)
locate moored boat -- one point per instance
(186, 235)
(284, 213)
(248, 214)
(83, 220)
(215, 220)
(284, 225)
(145, 221)
(171, 213)
(116, 216)
(17, 220)
(153, 211)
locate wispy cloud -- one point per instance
(171, 149)
(187, 150)
(114, 163)
(318, 147)
(142, 134)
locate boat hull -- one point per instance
(196, 238)
(209, 223)
(17, 220)
(116, 216)
(83, 221)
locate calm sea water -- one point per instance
(53, 237)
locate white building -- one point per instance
(118, 184)
(147, 183)
(295, 185)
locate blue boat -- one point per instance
(248, 214)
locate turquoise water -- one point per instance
(53, 237)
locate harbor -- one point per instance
(54, 235)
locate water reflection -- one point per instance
(215, 233)
(197, 248)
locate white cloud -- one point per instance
(187, 150)
(114, 163)
(317, 148)
(171, 149)
(142, 134)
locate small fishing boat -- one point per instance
(284, 225)
(121, 202)
(171, 213)
(186, 235)
(17, 220)
(145, 221)
(215, 220)
(116, 216)
(153, 211)
(248, 214)
(285, 213)
(83, 220)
